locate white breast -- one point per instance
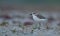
(35, 18)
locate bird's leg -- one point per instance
(39, 26)
(36, 25)
(47, 27)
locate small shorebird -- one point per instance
(39, 19)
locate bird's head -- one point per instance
(33, 13)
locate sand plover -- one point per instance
(40, 19)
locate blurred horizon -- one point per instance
(30, 2)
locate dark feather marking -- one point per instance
(40, 16)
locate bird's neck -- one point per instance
(34, 16)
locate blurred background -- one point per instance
(15, 18)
